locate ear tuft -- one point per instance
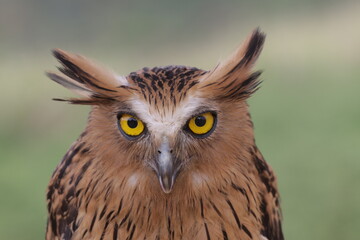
(85, 71)
(87, 79)
(70, 84)
(254, 47)
(233, 79)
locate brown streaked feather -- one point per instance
(88, 198)
(70, 84)
(167, 85)
(232, 79)
(85, 71)
(82, 76)
(83, 205)
(270, 199)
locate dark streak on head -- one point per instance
(254, 47)
(167, 84)
(76, 73)
(235, 92)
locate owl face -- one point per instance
(162, 118)
(176, 124)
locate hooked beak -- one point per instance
(167, 167)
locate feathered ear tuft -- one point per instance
(87, 79)
(70, 84)
(233, 79)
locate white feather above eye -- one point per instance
(165, 122)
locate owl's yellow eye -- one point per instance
(131, 125)
(202, 124)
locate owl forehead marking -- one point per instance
(165, 121)
(166, 86)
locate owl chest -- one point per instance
(210, 219)
(100, 208)
(229, 215)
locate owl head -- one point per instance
(165, 128)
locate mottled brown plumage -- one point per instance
(168, 182)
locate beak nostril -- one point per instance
(159, 151)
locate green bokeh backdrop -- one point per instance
(306, 115)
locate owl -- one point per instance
(167, 153)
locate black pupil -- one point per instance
(200, 121)
(132, 122)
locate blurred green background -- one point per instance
(307, 113)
